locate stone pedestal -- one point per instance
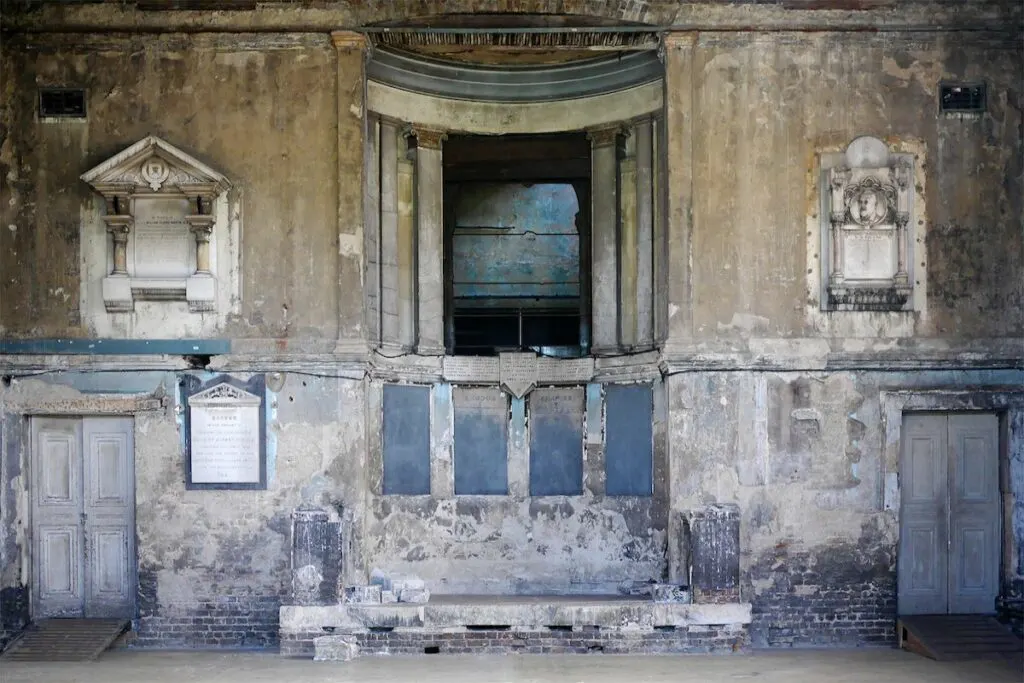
(715, 554)
(316, 557)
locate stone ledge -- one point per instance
(450, 612)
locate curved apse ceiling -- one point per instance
(514, 83)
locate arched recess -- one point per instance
(414, 103)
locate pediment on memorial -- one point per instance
(155, 165)
(224, 394)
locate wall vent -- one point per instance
(962, 98)
(65, 103)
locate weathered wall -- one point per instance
(259, 109)
(765, 105)
(806, 458)
(213, 565)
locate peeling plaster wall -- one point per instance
(805, 457)
(474, 545)
(213, 565)
(260, 110)
(766, 105)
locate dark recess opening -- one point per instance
(62, 102)
(517, 244)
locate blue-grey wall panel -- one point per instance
(406, 439)
(629, 442)
(556, 442)
(481, 441)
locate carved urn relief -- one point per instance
(160, 218)
(868, 197)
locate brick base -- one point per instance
(587, 640)
(854, 615)
(235, 622)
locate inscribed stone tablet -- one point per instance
(225, 444)
(163, 243)
(556, 442)
(481, 441)
(629, 442)
(869, 254)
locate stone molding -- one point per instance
(153, 170)
(429, 138)
(349, 40)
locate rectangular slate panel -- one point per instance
(556, 442)
(406, 440)
(481, 441)
(629, 444)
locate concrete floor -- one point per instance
(792, 666)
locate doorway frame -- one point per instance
(55, 402)
(1008, 405)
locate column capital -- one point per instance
(349, 40)
(602, 137)
(429, 138)
(679, 39)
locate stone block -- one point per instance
(667, 592)
(316, 557)
(404, 583)
(340, 648)
(362, 595)
(417, 595)
(715, 553)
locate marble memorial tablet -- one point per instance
(163, 243)
(225, 447)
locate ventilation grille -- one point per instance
(62, 103)
(962, 98)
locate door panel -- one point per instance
(922, 565)
(974, 513)
(83, 517)
(109, 517)
(949, 514)
(58, 571)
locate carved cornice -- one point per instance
(429, 138)
(679, 39)
(602, 137)
(349, 40)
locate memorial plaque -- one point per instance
(470, 369)
(163, 243)
(869, 255)
(556, 442)
(224, 435)
(481, 441)
(518, 372)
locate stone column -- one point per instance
(604, 304)
(316, 557)
(679, 56)
(371, 231)
(644, 233)
(351, 56)
(389, 268)
(430, 241)
(406, 246)
(715, 554)
(627, 244)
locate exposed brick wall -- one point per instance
(841, 594)
(857, 614)
(692, 639)
(227, 621)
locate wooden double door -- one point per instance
(950, 510)
(83, 517)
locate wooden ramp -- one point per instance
(958, 637)
(65, 640)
